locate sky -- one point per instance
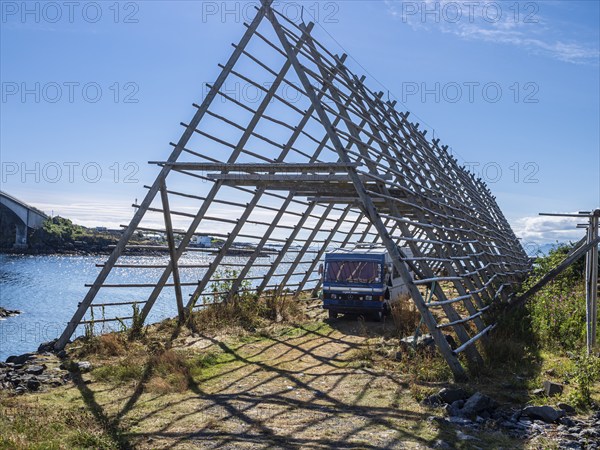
(91, 91)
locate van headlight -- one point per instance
(333, 296)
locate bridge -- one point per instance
(27, 217)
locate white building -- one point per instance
(203, 241)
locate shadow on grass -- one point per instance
(283, 391)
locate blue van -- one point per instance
(361, 280)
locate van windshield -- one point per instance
(353, 272)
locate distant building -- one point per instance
(203, 241)
(101, 229)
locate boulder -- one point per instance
(566, 408)
(465, 437)
(544, 413)
(454, 408)
(446, 396)
(551, 389)
(21, 359)
(35, 369)
(422, 341)
(33, 384)
(476, 404)
(566, 421)
(441, 444)
(450, 395)
(84, 366)
(47, 347)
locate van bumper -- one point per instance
(353, 305)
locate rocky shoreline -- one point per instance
(474, 412)
(80, 252)
(5, 313)
(31, 372)
(108, 251)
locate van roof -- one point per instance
(363, 250)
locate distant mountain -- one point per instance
(534, 249)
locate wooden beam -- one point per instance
(554, 272)
(260, 167)
(172, 251)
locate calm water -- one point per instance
(47, 290)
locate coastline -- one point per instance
(95, 251)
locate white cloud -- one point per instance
(503, 23)
(547, 229)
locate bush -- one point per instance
(170, 372)
(406, 318)
(587, 373)
(242, 309)
(121, 372)
(557, 312)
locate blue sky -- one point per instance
(511, 87)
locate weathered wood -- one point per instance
(336, 167)
(172, 251)
(262, 167)
(591, 291)
(474, 339)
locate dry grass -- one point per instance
(247, 312)
(106, 345)
(33, 422)
(406, 317)
(170, 372)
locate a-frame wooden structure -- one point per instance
(288, 178)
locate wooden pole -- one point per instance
(172, 251)
(591, 291)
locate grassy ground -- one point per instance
(346, 384)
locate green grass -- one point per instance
(120, 372)
(52, 421)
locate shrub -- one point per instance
(587, 373)
(121, 372)
(170, 372)
(557, 312)
(242, 309)
(406, 317)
